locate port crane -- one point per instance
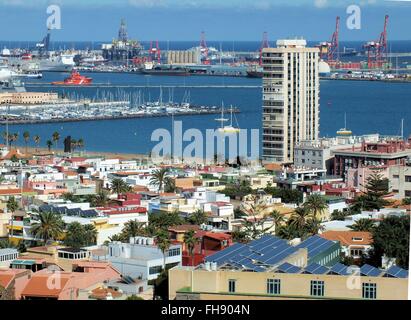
(155, 52)
(204, 49)
(329, 51)
(377, 51)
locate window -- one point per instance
(407, 193)
(173, 252)
(155, 270)
(273, 286)
(231, 286)
(407, 178)
(369, 291)
(317, 288)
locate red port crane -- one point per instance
(155, 52)
(377, 51)
(204, 49)
(264, 44)
(330, 51)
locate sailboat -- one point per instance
(344, 131)
(227, 128)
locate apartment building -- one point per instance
(290, 98)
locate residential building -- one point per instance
(354, 244)
(7, 256)
(141, 258)
(290, 98)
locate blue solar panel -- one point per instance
(396, 272)
(315, 268)
(339, 269)
(224, 254)
(288, 268)
(370, 271)
(315, 245)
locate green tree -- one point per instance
(26, 137)
(12, 207)
(164, 220)
(373, 199)
(392, 239)
(36, 140)
(277, 218)
(55, 137)
(198, 217)
(363, 224)
(49, 227)
(75, 235)
(133, 229)
(313, 226)
(99, 200)
(338, 215)
(160, 178)
(49, 144)
(299, 219)
(119, 186)
(90, 235)
(163, 243)
(315, 204)
(190, 241)
(80, 143)
(288, 232)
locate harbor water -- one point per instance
(370, 106)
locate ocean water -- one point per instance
(371, 107)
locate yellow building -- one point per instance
(187, 283)
(28, 97)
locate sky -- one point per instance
(98, 20)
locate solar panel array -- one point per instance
(257, 256)
(396, 272)
(316, 268)
(339, 269)
(370, 271)
(288, 268)
(268, 251)
(77, 212)
(315, 245)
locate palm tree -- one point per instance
(288, 231)
(100, 199)
(49, 144)
(277, 218)
(80, 143)
(119, 186)
(363, 225)
(73, 144)
(26, 137)
(90, 234)
(163, 243)
(190, 241)
(56, 138)
(50, 227)
(313, 226)
(133, 229)
(12, 207)
(198, 217)
(299, 218)
(315, 204)
(36, 139)
(159, 178)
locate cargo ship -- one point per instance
(164, 70)
(74, 79)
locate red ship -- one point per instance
(74, 79)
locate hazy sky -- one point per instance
(185, 19)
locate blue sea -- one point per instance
(371, 107)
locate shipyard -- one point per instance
(255, 153)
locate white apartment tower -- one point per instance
(290, 98)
